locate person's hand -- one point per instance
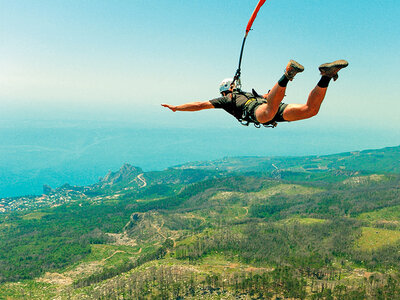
(171, 107)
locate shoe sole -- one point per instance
(340, 64)
(296, 66)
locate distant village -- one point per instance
(53, 198)
(49, 198)
(31, 202)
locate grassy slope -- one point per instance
(375, 238)
(385, 214)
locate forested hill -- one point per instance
(324, 227)
(386, 160)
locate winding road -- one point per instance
(141, 178)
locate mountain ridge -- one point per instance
(268, 162)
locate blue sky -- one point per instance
(118, 60)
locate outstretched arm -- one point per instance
(192, 106)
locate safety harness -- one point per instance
(253, 99)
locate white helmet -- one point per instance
(225, 85)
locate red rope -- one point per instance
(254, 15)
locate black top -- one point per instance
(233, 103)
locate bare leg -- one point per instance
(267, 111)
(295, 112)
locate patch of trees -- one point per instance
(179, 222)
(311, 248)
(180, 282)
(347, 201)
(175, 282)
(125, 266)
(301, 245)
(28, 248)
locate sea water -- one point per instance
(79, 154)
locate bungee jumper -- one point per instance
(267, 110)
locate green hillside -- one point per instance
(213, 232)
(386, 160)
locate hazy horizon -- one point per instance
(80, 153)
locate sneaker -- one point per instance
(331, 69)
(292, 68)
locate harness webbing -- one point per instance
(247, 118)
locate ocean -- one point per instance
(31, 156)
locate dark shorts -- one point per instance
(251, 110)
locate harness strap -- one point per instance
(250, 100)
(246, 118)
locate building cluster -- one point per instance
(32, 202)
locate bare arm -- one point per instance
(192, 106)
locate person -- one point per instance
(268, 109)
